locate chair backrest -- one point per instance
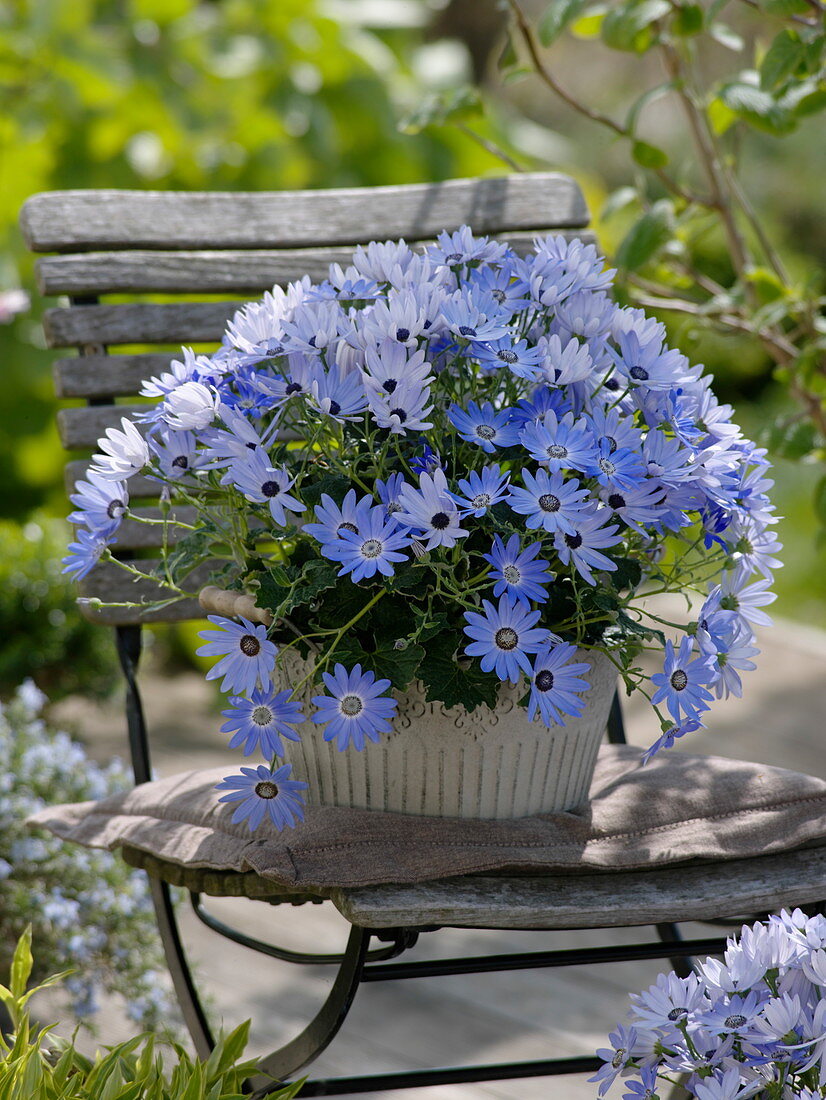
(196, 248)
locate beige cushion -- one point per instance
(679, 807)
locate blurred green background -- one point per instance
(252, 94)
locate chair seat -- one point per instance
(607, 900)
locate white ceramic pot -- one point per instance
(445, 762)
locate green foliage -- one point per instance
(179, 94)
(39, 621)
(36, 1064)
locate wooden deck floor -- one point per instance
(472, 1019)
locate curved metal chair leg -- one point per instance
(317, 1035)
(191, 1008)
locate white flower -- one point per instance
(190, 407)
(124, 452)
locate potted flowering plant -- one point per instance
(751, 1025)
(444, 477)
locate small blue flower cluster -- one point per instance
(91, 913)
(752, 1025)
(488, 431)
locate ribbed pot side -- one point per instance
(445, 762)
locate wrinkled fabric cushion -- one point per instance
(679, 807)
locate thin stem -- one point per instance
(490, 147)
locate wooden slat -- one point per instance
(108, 375)
(694, 891)
(134, 535)
(142, 323)
(65, 221)
(232, 271)
(81, 428)
(110, 584)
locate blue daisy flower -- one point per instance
(247, 656)
(101, 504)
(549, 501)
(431, 511)
(584, 545)
(517, 572)
(356, 708)
(84, 554)
(262, 792)
(504, 637)
(556, 685)
(682, 682)
(373, 548)
(334, 519)
(484, 426)
(480, 491)
(620, 468)
(516, 356)
(560, 443)
(261, 722)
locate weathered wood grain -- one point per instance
(134, 535)
(80, 428)
(65, 221)
(108, 375)
(138, 323)
(690, 892)
(109, 583)
(215, 272)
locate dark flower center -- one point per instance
(400, 413)
(544, 680)
(607, 466)
(549, 503)
(249, 645)
(618, 1058)
(499, 296)
(735, 1021)
(611, 384)
(347, 527)
(181, 461)
(270, 489)
(262, 716)
(511, 574)
(311, 341)
(466, 330)
(272, 347)
(293, 387)
(506, 638)
(351, 705)
(679, 680)
(115, 509)
(454, 257)
(481, 500)
(266, 789)
(485, 431)
(640, 373)
(440, 521)
(556, 450)
(335, 408)
(390, 385)
(402, 334)
(677, 1013)
(616, 500)
(574, 541)
(507, 356)
(610, 441)
(371, 548)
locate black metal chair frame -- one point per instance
(358, 964)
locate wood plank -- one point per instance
(134, 535)
(108, 375)
(80, 428)
(695, 891)
(65, 221)
(141, 323)
(109, 583)
(227, 272)
(140, 487)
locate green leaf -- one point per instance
(688, 20)
(316, 577)
(649, 96)
(644, 239)
(457, 105)
(766, 284)
(782, 58)
(628, 573)
(757, 107)
(334, 485)
(627, 26)
(649, 156)
(508, 58)
(727, 37)
(791, 441)
(556, 17)
(21, 966)
(590, 23)
(388, 663)
(785, 8)
(453, 684)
